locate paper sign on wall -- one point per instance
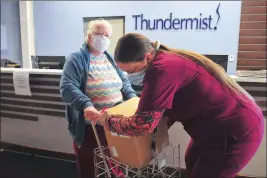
(21, 83)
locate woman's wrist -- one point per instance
(104, 118)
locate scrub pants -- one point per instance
(85, 154)
(226, 161)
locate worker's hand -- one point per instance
(91, 114)
(102, 118)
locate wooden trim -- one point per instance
(45, 76)
(43, 98)
(34, 76)
(248, 47)
(253, 10)
(123, 25)
(252, 36)
(36, 90)
(252, 40)
(253, 25)
(33, 104)
(249, 62)
(252, 84)
(247, 32)
(35, 82)
(6, 74)
(33, 111)
(261, 103)
(36, 151)
(46, 83)
(246, 17)
(252, 55)
(258, 93)
(254, 3)
(18, 116)
(251, 67)
(88, 19)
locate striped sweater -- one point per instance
(104, 84)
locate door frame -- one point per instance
(88, 19)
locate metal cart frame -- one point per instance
(165, 165)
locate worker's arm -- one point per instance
(137, 125)
(157, 95)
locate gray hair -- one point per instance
(92, 26)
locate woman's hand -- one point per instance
(91, 114)
(95, 116)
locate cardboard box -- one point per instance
(135, 151)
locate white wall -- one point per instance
(10, 34)
(59, 24)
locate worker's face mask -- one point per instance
(100, 42)
(137, 77)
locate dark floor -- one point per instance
(16, 165)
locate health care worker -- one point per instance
(225, 124)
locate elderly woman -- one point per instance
(90, 82)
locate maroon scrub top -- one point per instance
(193, 96)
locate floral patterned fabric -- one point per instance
(137, 125)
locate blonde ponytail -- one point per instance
(215, 69)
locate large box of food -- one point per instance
(136, 151)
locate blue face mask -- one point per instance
(137, 77)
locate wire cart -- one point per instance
(165, 165)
